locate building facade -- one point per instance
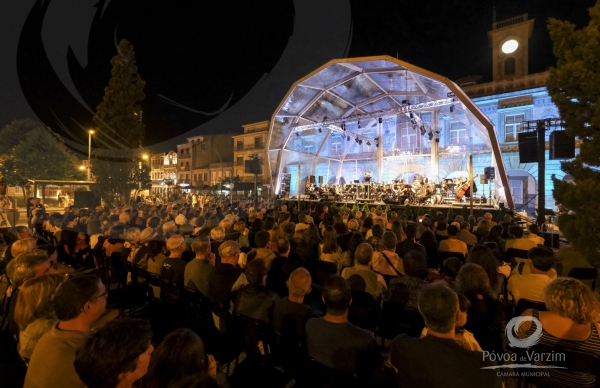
(251, 144)
(211, 161)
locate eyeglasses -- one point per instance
(105, 294)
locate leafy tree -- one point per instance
(450, 215)
(365, 208)
(433, 214)
(574, 87)
(408, 212)
(356, 207)
(120, 131)
(421, 211)
(388, 209)
(38, 154)
(464, 212)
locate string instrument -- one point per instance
(463, 189)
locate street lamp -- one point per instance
(89, 173)
(82, 168)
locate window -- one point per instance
(458, 134)
(187, 177)
(308, 146)
(240, 144)
(512, 126)
(205, 176)
(195, 177)
(336, 148)
(240, 161)
(214, 175)
(227, 174)
(258, 142)
(181, 164)
(509, 66)
(187, 164)
(408, 138)
(516, 190)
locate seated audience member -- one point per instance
(405, 290)
(518, 242)
(534, 234)
(431, 248)
(531, 285)
(361, 277)
(571, 322)
(376, 238)
(336, 343)
(117, 355)
(281, 268)
(448, 273)
(254, 300)
(226, 277)
(462, 336)
(409, 244)
(328, 249)
(78, 303)
(465, 235)
(290, 313)
(486, 314)
(196, 271)
(483, 256)
(495, 235)
(452, 243)
(169, 368)
(262, 240)
(387, 262)
(34, 313)
(176, 247)
(454, 365)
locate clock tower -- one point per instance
(509, 40)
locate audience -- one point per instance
(483, 256)
(387, 262)
(281, 268)
(196, 272)
(452, 243)
(290, 313)
(518, 242)
(173, 268)
(531, 284)
(361, 277)
(262, 251)
(465, 235)
(336, 343)
(78, 304)
(117, 355)
(226, 277)
(454, 366)
(410, 244)
(254, 300)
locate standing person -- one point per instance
(78, 303)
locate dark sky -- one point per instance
(213, 66)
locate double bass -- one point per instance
(462, 189)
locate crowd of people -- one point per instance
(302, 273)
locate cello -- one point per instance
(463, 189)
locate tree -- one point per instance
(464, 212)
(574, 85)
(120, 131)
(408, 212)
(450, 215)
(355, 207)
(38, 154)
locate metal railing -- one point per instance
(255, 146)
(527, 81)
(509, 22)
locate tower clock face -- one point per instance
(510, 46)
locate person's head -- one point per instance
(463, 305)
(262, 239)
(118, 351)
(363, 254)
(94, 227)
(389, 240)
(473, 281)
(132, 235)
(483, 227)
(515, 231)
(28, 265)
(82, 298)
(340, 228)
(169, 228)
(256, 272)
(299, 283)
(336, 295)
(201, 246)
(35, 299)
(534, 229)
(438, 305)
(452, 230)
(488, 216)
(465, 225)
(450, 267)
(229, 251)
(483, 256)
(176, 244)
(572, 299)
(169, 367)
(153, 222)
(217, 233)
(283, 246)
(415, 264)
(377, 230)
(23, 246)
(186, 229)
(239, 226)
(353, 225)
(542, 258)
(330, 240)
(411, 231)
(496, 231)
(117, 232)
(124, 217)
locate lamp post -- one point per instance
(144, 157)
(89, 171)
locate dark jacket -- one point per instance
(256, 302)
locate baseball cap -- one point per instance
(229, 248)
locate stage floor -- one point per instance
(444, 205)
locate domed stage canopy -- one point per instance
(379, 116)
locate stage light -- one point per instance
(348, 138)
(368, 143)
(298, 134)
(451, 108)
(320, 130)
(380, 120)
(360, 142)
(411, 115)
(356, 139)
(359, 124)
(423, 130)
(332, 134)
(377, 144)
(414, 126)
(404, 102)
(430, 136)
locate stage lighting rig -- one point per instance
(320, 130)
(451, 108)
(423, 130)
(368, 143)
(358, 124)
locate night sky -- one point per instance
(201, 60)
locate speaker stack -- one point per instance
(320, 180)
(528, 149)
(561, 146)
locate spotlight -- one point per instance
(451, 108)
(380, 120)
(358, 123)
(343, 126)
(360, 142)
(430, 136)
(298, 134)
(414, 126)
(348, 138)
(356, 139)
(332, 134)
(320, 130)
(411, 115)
(377, 144)
(368, 143)
(423, 130)
(404, 102)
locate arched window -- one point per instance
(509, 66)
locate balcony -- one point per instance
(185, 168)
(242, 163)
(489, 88)
(245, 147)
(185, 155)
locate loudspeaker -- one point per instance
(311, 179)
(483, 180)
(253, 166)
(561, 146)
(528, 150)
(86, 199)
(489, 173)
(320, 180)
